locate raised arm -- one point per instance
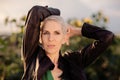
(31, 36)
(89, 53)
(34, 17)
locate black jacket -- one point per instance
(73, 64)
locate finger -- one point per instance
(68, 29)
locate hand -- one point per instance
(72, 31)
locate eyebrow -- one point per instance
(55, 30)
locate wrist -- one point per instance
(77, 31)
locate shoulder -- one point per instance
(73, 57)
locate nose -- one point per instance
(51, 37)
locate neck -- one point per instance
(53, 57)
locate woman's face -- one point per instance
(52, 37)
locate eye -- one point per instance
(57, 32)
(45, 32)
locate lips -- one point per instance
(50, 46)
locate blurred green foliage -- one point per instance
(104, 68)
(107, 67)
(11, 67)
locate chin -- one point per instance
(51, 51)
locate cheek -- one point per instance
(43, 40)
(60, 40)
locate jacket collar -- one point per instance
(46, 64)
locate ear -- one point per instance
(66, 37)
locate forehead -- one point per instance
(52, 25)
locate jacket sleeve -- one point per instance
(81, 59)
(103, 40)
(31, 36)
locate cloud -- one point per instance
(69, 8)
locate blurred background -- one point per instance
(102, 13)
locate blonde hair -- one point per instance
(58, 19)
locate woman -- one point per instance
(41, 47)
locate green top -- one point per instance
(47, 76)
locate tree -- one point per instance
(10, 59)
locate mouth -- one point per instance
(50, 46)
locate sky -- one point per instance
(69, 9)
